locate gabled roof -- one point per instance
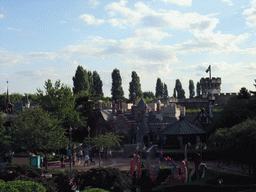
(107, 114)
(182, 127)
(142, 104)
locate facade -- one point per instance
(210, 86)
(139, 124)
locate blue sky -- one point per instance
(170, 39)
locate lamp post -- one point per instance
(70, 152)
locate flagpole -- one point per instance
(210, 72)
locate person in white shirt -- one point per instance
(86, 160)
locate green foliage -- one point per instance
(234, 112)
(116, 90)
(244, 93)
(174, 93)
(238, 142)
(60, 101)
(97, 84)
(104, 141)
(191, 89)
(111, 179)
(80, 81)
(179, 89)
(159, 88)
(198, 89)
(26, 186)
(148, 94)
(135, 86)
(37, 130)
(94, 190)
(165, 91)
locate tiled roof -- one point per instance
(182, 127)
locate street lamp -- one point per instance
(70, 150)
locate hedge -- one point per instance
(21, 186)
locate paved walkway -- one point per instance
(124, 164)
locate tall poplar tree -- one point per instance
(80, 80)
(179, 89)
(191, 89)
(116, 90)
(97, 84)
(174, 93)
(165, 91)
(135, 86)
(159, 88)
(198, 89)
(90, 80)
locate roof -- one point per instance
(142, 104)
(182, 127)
(107, 114)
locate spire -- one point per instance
(7, 96)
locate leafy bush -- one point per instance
(94, 190)
(21, 186)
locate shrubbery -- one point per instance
(21, 186)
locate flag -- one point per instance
(133, 164)
(209, 69)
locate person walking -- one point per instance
(86, 160)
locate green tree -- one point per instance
(38, 130)
(104, 141)
(135, 86)
(116, 90)
(180, 91)
(60, 101)
(174, 93)
(97, 84)
(165, 91)
(90, 80)
(191, 89)
(244, 93)
(238, 143)
(159, 88)
(198, 89)
(5, 143)
(80, 81)
(148, 94)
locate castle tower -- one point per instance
(210, 86)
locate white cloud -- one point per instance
(42, 55)
(143, 15)
(91, 20)
(228, 1)
(150, 34)
(9, 59)
(13, 29)
(179, 2)
(1, 16)
(251, 16)
(93, 3)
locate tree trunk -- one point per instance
(46, 163)
(99, 158)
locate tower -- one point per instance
(210, 86)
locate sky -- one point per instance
(166, 39)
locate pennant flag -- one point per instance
(138, 172)
(133, 164)
(209, 69)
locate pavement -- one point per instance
(124, 164)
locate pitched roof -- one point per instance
(182, 127)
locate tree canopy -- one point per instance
(59, 100)
(117, 90)
(198, 89)
(165, 91)
(103, 141)
(80, 80)
(238, 143)
(37, 130)
(179, 89)
(159, 88)
(191, 89)
(97, 84)
(135, 86)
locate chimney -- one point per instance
(183, 110)
(134, 98)
(120, 106)
(99, 104)
(158, 107)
